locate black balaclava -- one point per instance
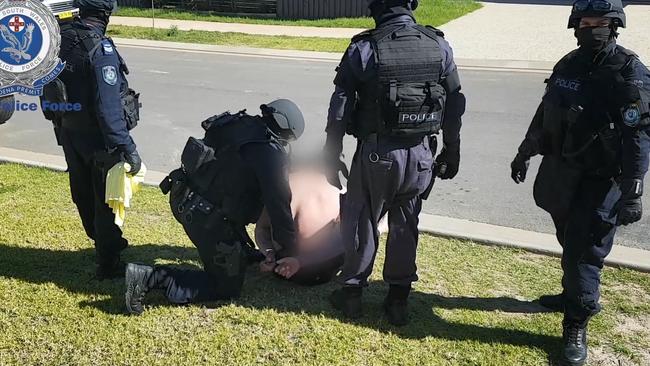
(95, 18)
(389, 9)
(594, 39)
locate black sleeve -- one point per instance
(634, 108)
(269, 164)
(342, 101)
(533, 142)
(452, 123)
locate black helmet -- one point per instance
(108, 6)
(287, 120)
(412, 4)
(612, 9)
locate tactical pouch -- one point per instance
(195, 155)
(54, 92)
(131, 107)
(229, 258)
(556, 186)
(412, 109)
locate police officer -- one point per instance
(96, 135)
(393, 87)
(592, 129)
(227, 178)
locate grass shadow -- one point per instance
(73, 271)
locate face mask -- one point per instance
(593, 37)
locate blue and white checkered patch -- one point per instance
(108, 47)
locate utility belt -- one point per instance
(189, 207)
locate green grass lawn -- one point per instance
(231, 39)
(470, 307)
(431, 12)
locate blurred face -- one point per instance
(592, 22)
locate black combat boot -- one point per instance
(137, 285)
(348, 300)
(109, 268)
(574, 338)
(553, 302)
(396, 305)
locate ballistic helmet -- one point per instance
(612, 9)
(411, 4)
(108, 6)
(287, 120)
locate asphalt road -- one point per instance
(181, 89)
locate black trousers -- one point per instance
(585, 227)
(87, 186)
(224, 268)
(387, 176)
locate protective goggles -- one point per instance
(597, 5)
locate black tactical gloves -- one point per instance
(447, 163)
(332, 154)
(133, 159)
(519, 168)
(335, 166)
(629, 208)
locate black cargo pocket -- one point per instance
(425, 176)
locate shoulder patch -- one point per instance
(109, 74)
(107, 46)
(631, 115)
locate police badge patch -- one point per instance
(631, 115)
(29, 47)
(109, 74)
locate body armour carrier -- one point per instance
(583, 111)
(214, 186)
(78, 46)
(404, 97)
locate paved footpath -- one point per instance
(498, 31)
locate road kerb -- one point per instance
(467, 64)
(625, 257)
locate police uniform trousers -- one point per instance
(87, 186)
(224, 268)
(585, 227)
(388, 175)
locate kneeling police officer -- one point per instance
(96, 135)
(393, 87)
(592, 129)
(226, 179)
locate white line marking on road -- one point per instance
(157, 72)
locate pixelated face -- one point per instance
(590, 22)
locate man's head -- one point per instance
(379, 7)
(284, 118)
(95, 8)
(596, 21)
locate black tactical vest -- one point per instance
(582, 111)
(78, 45)
(215, 184)
(404, 97)
(77, 75)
